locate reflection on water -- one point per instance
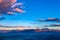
(32, 36)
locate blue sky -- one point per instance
(35, 9)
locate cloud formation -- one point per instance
(49, 20)
(10, 7)
(2, 18)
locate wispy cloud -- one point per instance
(49, 20)
(9, 7)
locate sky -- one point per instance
(35, 9)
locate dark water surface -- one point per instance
(30, 36)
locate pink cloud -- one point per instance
(18, 10)
(10, 12)
(10, 7)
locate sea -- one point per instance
(30, 36)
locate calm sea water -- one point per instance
(31, 36)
